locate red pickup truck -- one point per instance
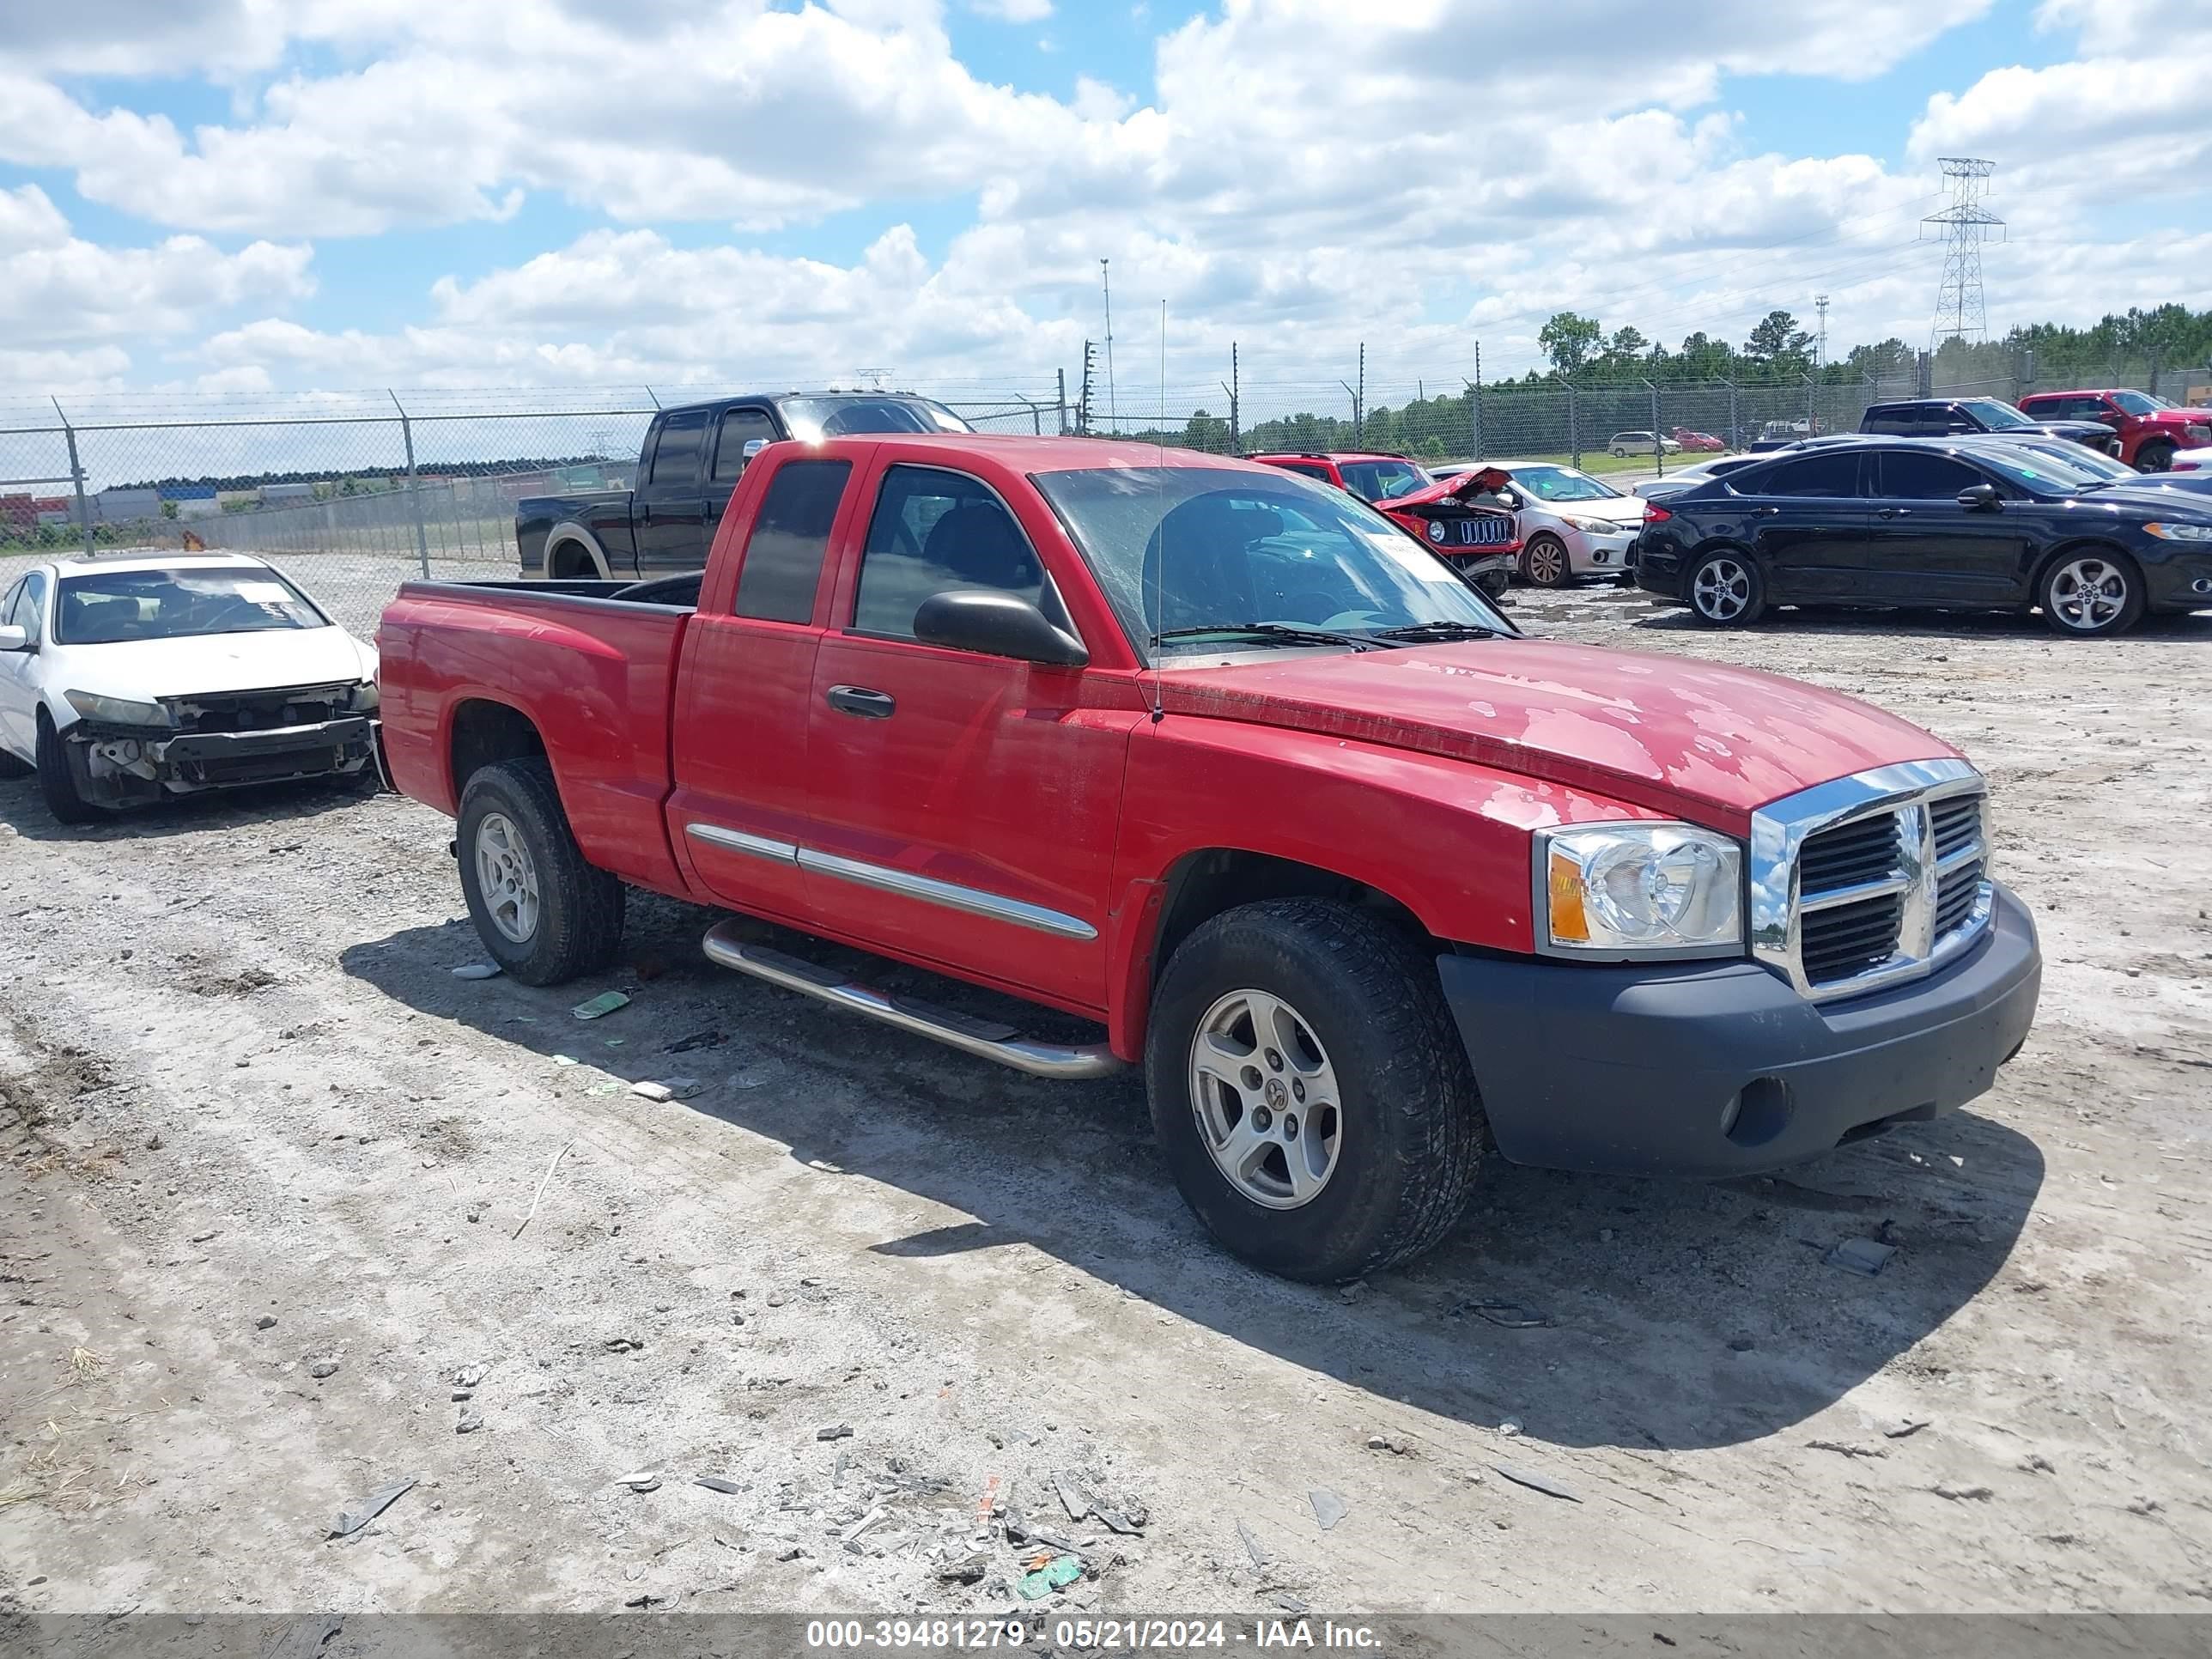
(1367, 882)
(2151, 430)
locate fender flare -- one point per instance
(569, 531)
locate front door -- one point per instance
(745, 424)
(669, 508)
(965, 807)
(24, 607)
(1809, 527)
(1928, 549)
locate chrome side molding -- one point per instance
(956, 1031)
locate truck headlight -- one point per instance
(1627, 890)
(365, 699)
(118, 711)
(1436, 530)
(2170, 532)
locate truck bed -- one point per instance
(593, 661)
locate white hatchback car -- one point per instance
(1571, 525)
(126, 679)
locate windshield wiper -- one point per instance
(1269, 633)
(1416, 632)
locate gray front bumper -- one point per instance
(194, 761)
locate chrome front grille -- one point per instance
(1870, 880)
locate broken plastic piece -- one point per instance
(605, 1003)
(351, 1520)
(1861, 1256)
(1328, 1508)
(477, 971)
(1056, 1574)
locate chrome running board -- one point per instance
(956, 1031)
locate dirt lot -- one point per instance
(266, 1159)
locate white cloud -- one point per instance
(1013, 11)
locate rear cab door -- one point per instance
(1809, 523)
(668, 508)
(740, 809)
(966, 806)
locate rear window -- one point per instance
(783, 556)
(1836, 473)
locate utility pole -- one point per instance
(1236, 436)
(1820, 341)
(1474, 419)
(1113, 402)
(1960, 313)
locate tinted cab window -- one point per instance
(676, 454)
(783, 558)
(935, 531)
(738, 427)
(1904, 475)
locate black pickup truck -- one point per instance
(687, 467)
(1953, 417)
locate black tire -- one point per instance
(2117, 605)
(1545, 563)
(1410, 1133)
(577, 922)
(56, 781)
(2156, 457)
(1720, 578)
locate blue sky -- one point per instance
(374, 192)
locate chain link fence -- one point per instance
(351, 494)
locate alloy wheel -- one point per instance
(2089, 593)
(1266, 1099)
(1722, 590)
(508, 878)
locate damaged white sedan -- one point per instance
(130, 679)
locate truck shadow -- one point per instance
(1673, 1315)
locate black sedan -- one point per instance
(1957, 525)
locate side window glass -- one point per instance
(1918, 476)
(933, 532)
(1829, 475)
(783, 556)
(30, 602)
(676, 460)
(739, 428)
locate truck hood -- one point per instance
(1461, 490)
(215, 663)
(1692, 739)
(2076, 430)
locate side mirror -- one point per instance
(1981, 497)
(753, 446)
(14, 639)
(995, 624)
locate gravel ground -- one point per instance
(267, 1160)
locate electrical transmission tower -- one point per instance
(1966, 225)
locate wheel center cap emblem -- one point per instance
(1277, 1096)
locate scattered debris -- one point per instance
(323, 1368)
(1074, 1497)
(623, 1344)
(850, 1538)
(1846, 1449)
(1129, 1521)
(640, 1479)
(469, 1376)
(542, 1181)
(471, 1419)
(264, 1322)
(564, 1060)
(837, 1472)
(1963, 1494)
(1252, 1547)
(969, 1570)
(652, 1092)
(605, 1003)
(1534, 1482)
(1290, 1603)
(351, 1520)
(1510, 1427)
(1866, 1256)
(1511, 1315)
(1904, 1427)
(201, 1238)
(834, 1431)
(1328, 1508)
(1397, 1444)
(1056, 1574)
(716, 1483)
(477, 971)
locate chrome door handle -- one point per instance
(1765, 512)
(1893, 513)
(860, 701)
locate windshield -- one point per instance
(1996, 415)
(1561, 484)
(2136, 402)
(1194, 548)
(2036, 470)
(1383, 481)
(2081, 459)
(811, 418)
(108, 607)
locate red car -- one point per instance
(2151, 430)
(1704, 442)
(1481, 543)
(1364, 881)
